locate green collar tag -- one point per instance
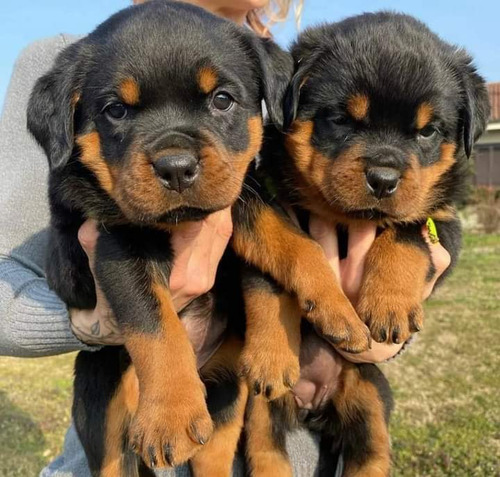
(432, 229)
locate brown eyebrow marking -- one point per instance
(90, 145)
(129, 91)
(207, 79)
(424, 115)
(357, 106)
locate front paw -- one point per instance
(335, 318)
(391, 317)
(270, 370)
(168, 432)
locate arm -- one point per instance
(34, 320)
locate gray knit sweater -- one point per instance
(34, 321)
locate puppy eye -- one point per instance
(428, 132)
(338, 119)
(116, 111)
(222, 101)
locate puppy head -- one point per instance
(159, 109)
(382, 116)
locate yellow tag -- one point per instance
(433, 233)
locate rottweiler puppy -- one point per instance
(381, 117)
(150, 121)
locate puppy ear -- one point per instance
(475, 108)
(51, 107)
(292, 96)
(277, 68)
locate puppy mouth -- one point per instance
(185, 214)
(370, 214)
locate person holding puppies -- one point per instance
(25, 298)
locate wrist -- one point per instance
(94, 328)
(80, 322)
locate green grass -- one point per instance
(447, 417)
(35, 402)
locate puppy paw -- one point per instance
(392, 318)
(271, 371)
(168, 432)
(336, 320)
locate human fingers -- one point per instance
(361, 238)
(198, 248)
(378, 353)
(441, 260)
(326, 235)
(87, 236)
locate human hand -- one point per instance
(198, 248)
(349, 272)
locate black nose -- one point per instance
(382, 181)
(177, 172)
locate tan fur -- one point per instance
(172, 406)
(207, 79)
(393, 287)
(272, 344)
(298, 263)
(424, 115)
(142, 197)
(90, 146)
(357, 106)
(330, 188)
(121, 408)
(358, 395)
(130, 91)
(265, 459)
(216, 458)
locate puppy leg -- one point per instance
(119, 461)
(363, 404)
(106, 395)
(272, 244)
(270, 359)
(227, 399)
(265, 441)
(397, 268)
(172, 420)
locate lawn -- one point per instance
(447, 386)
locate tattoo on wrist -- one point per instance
(95, 329)
(103, 331)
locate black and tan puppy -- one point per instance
(382, 116)
(150, 121)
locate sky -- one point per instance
(473, 24)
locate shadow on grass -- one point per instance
(22, 443)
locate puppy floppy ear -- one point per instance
(51, 107)
(291, 102)
(292, 96)
(476, 106)
(277, 68)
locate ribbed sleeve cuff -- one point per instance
(37, 320)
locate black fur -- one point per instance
(163, 46)
(398, 64)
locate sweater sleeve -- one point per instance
(33, 320)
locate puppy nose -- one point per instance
(382, 181)
(177, 172)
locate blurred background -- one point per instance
(447, 418)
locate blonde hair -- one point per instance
(262, 19)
